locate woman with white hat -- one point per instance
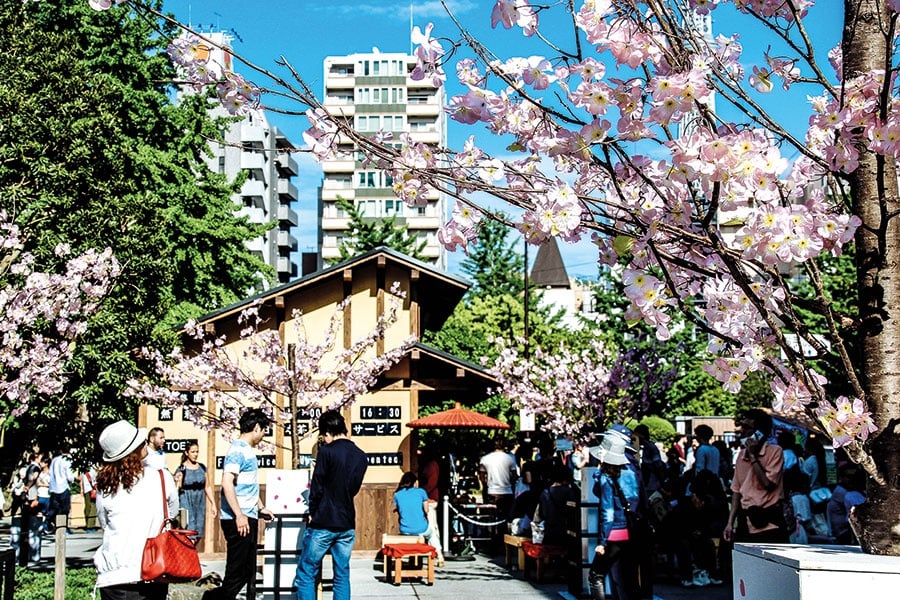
(613, 555)
(130, 510)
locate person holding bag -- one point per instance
(614, 554)
(130, 510)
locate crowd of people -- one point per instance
(679, 509)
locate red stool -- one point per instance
(542, 554)
(398, 552)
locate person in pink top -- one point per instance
(757, 505)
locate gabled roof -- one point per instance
(548, 269)
(454, 361)
(438, 293)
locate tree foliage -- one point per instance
(95, 153)
(367, 233)
(494, 263)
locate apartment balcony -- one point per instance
(287, 190)
(334, 223)
(255, 189)
(284, 265)
(253, 161)
(425, 136)
(256, 245)
(336, 107)
(340, 81)
(331, 194)
(285, 213)
(339, 165)
(253, 135)
(283, 239)
(253, 214)
(423, 222)
(424, 109)
(287, 165)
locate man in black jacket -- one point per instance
(337, 477)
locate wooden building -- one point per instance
(377, 421)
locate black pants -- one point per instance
(240, 563)
(620, 563)
(135, 591)
(60, 504)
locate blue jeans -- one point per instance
(315, 545)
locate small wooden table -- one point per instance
(398, 552)
(514, 542)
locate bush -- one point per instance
(660, 429)
(38, 585)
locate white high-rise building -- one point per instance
(257, 148)
(375, 92)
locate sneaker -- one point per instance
(701, 578)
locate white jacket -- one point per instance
(128, 518)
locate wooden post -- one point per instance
(59, 576)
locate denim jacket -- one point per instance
(612, 514)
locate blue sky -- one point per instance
(306, 31)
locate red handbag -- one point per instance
(170, 557)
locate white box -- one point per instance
(788, 571)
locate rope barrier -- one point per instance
(473, 521)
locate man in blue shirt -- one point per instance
(337, 477)
(241, 506)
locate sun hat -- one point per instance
(611, 450)
(121, 439)
(622, 432)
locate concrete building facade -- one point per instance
(375, 93)
(257, 148)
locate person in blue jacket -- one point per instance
(614, 554)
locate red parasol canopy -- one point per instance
(457, 418)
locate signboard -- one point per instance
(376, 428)
(303, 428)
(166, 414)
(380, 412)
(175, 446)
(189, 399)
(384, 459)
(263, 461)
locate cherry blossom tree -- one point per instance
(575, 393)
(638, 126)
(260, 369)
(43, 314)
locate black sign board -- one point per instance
(178, 446)
(263, 461)
(376, 428)
(384, 459)
(303, 428)
(166, 413)
(312, 413)
(380, 412)
(305, 461)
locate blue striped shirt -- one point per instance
(241, 460)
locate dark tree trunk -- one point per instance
(867, 48)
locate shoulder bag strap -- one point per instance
(162, 482)
(621, 495)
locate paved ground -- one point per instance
(483, 578)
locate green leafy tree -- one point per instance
(94, 152)
(365, 233)
(494, 263)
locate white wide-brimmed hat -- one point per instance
(121, 439)
(611, 451)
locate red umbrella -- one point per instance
(457, 418)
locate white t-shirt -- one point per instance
(155, 459)
(500, 468)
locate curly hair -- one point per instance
(124, 473)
